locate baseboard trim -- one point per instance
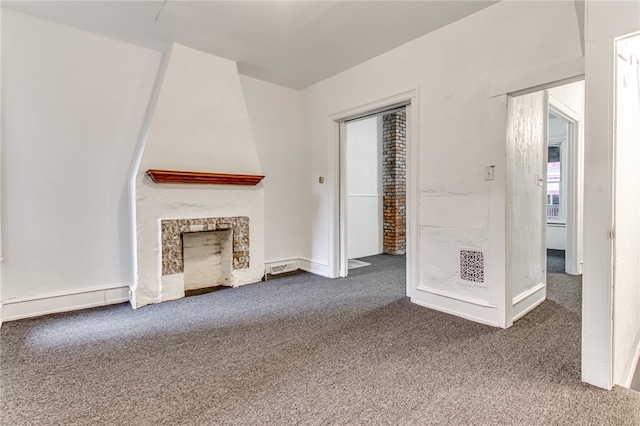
(281, 260)
(454, 296)
(526, 301)
(456, 313)
(50, 303)
(314, 267)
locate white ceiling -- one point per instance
(291, 43)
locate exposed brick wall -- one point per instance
(394, 181)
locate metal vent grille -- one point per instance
(282, 268)
(472, 266)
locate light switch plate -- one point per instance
(489, 172)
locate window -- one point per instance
(554, 183)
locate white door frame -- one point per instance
(338, 218)
(574, 173)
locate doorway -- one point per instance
(565, 173)
(339, 254)
(544, 192)
(375, 182)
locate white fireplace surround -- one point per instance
(160, 278)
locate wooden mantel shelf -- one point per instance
(176, 177)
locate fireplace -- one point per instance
(195, 166)
(204, 252)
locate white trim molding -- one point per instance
(458, 297)
(456, 312)
(49, 303)
(526, 301)
(317, 268)
(471, 308)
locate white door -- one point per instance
(364, 187)
(526, 254)
(626, 244)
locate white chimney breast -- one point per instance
(201, 124)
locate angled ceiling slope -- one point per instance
(290, 43)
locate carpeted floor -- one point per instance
(555, 261)
(562, 288)
(301, 350)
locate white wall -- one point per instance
(364, 187)
(626, 303)
(604, 21)
(200, 124)
(90, 95)
(274, 112)
(557, 236)
(571, 95)
(72, 107)
(460, 131)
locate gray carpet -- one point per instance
(562, 288)
(555, 261)
(301, 350)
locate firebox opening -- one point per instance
(207, 259)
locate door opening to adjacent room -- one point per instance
(544, 181)
(375, 185)
(563, 200)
